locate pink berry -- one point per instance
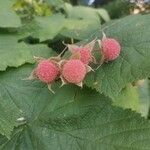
(85, 54)
(47, 71)
(74, 71)
(110, 48)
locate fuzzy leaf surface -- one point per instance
(133, 34)
(70, 119)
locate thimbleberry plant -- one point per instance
(93, 95)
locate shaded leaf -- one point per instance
(8, 18)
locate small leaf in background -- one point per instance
(89, 13)
(49, 26)
(14, 54)
(44, 28)
(80, 29)
(103, 14)
(81, 12)
(8, 18)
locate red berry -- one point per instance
(74, 71)
(47, 71)
(110, 49)
(85, 54)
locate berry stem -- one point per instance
(62, 52)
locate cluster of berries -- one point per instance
(74, 69)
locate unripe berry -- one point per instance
(86, 57)
(47, 71)
(74, 71)
(110, 49)
(84, 53)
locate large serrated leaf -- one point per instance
(9, 113)
(82, 12)
(80, 29)
(133, 33)
(89, 13)
(44, 28)
(8, 18)
(128, 98)
(14, 54)
(49, 26)
(71, 119)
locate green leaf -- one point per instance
(104, 14)
(80, 29)
(14, 54)
(8, 18)
(81, 12)
(48, 27)
(128, 98)
(73, 118)
(9, 112)
(44, 28)
(81, 22)
(133, 34)
(144, 97)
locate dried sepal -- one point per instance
(38, 59)
(80, 84)
(63, 81)
(50, 88)
(89, 69)
(32, 76)
(75, 56)
(90, 45)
